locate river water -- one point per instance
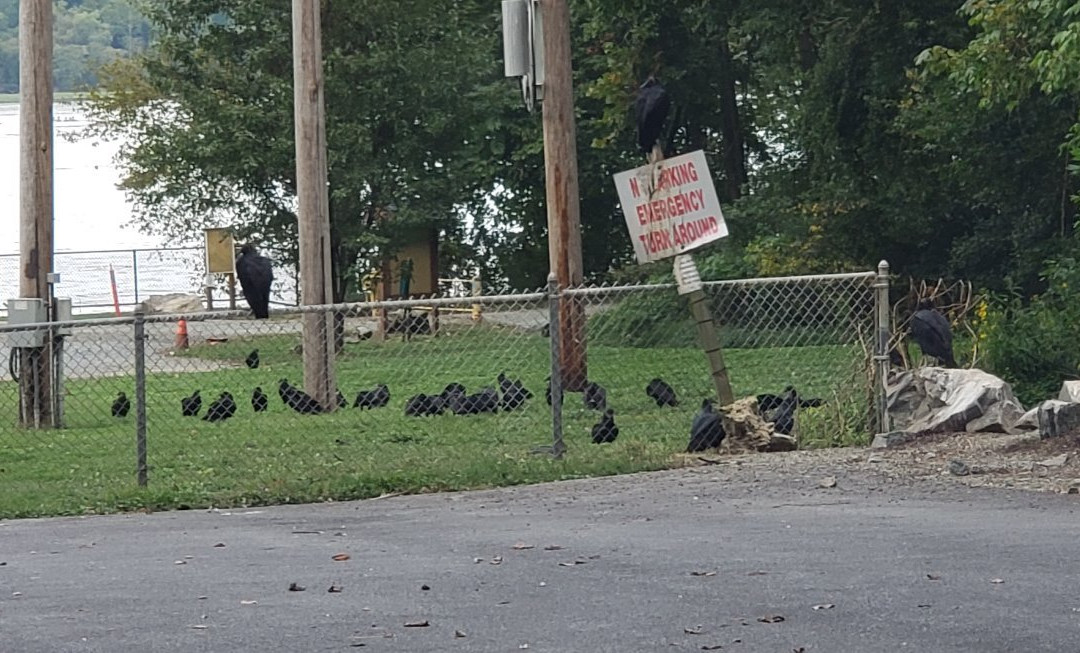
(91, 215)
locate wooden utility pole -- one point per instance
(309, 114)
(35, 193)
(561, 171)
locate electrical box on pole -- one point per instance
(523, 47)
(25, 311)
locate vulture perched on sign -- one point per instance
(931, 330)
(651, 110)
(256, 275)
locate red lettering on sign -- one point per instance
(634, 187)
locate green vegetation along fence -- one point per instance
(814, 333)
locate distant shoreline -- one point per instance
(58, 96)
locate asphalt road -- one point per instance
(684, 560)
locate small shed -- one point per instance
(412, 272)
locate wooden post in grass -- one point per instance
(689, 282)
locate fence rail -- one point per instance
(253, 430)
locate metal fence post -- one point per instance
(477, 291)
(135, 272)
(140, 395)
(558, 447)
(881, 346)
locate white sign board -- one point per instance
(670, 207)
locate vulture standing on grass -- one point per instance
(605, 431)
(707, 429)
(650, 110)
(931, 330)
(121, 406)
(189, 406)
(256, 275)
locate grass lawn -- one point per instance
(282, 457)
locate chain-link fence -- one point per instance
(434, 394)
(813, 334)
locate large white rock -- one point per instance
(173, 303)
(1070, 391)
(942, 400)
(1058, 418)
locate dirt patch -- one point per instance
(1022, 462)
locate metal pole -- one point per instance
(558, 447)
(53, 353)
(58, 361)
(881, 347)
(140, 395)
(135, 272)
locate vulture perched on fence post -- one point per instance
(256, 275)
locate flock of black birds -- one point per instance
(706, 430)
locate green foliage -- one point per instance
(206, 116)
(1032, 345)
(839, 132)
(86, 35)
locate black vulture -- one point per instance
(595, 396)
(377, 398)
(770, 402)
(341, 401)
(931, 330)
(422, 405)
(121, 405)
(514, 394)
(662, 393)
(297, 399)
(189, 406)
(650, 110)
(256, 275)
(895, 359)
(252, 360)
(259, 400)
(221, 409)
(452, 389)
(484, 401)
(417, 405)
(605, 430)
(707, 429)
(783, 419)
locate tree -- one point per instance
(87, 34)
(206, 119)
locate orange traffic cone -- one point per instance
(181, 335)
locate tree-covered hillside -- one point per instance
(87, 34)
